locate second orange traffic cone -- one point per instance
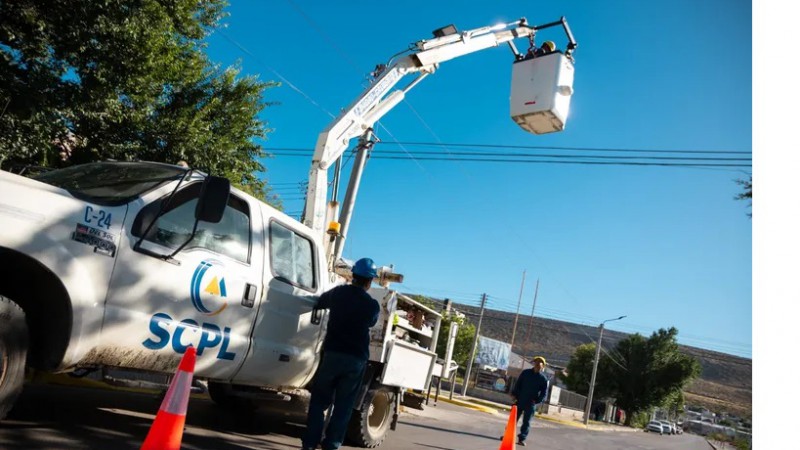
(167, 429)
(510, 436)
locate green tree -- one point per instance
(425, 301)
(579, 369)
(464, 337)
(674, 402)
(649, 370)
(125, 80)
(579, 372)
(644, 372)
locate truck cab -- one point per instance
(124, 265)
(111, 268)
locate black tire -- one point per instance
(369, 427)
(13, 352)
(222, 394)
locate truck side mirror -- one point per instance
(213, 199)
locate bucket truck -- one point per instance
(124, 265)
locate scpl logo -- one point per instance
(208, 281)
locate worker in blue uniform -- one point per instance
(345, 354)
(529, 391)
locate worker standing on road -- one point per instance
(345, 354)
(528, 392)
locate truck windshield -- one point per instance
(111, 183)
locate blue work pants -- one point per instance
(526, 414)
(337, 381)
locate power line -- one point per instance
(590, 149)
(579, 329)
(284, 79)
(591, 163)
(347, 58)
(651, 161)
(324, 35)
(539, 155)
(288, 183)
(531, 155)
(587, 321)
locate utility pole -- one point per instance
(530, 322)
(474, 346)
(516, 318)
(594, 370)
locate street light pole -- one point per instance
(594, 370)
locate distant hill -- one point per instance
(725, 383)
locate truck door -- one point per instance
(285, 342)
(207, 296)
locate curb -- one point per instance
(491, 404)
(495, 409)
(564, 422)
(506, 408)
(470, 405)
(474, 403)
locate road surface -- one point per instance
(61, 417)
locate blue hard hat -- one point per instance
(365, 268)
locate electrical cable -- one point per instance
(588, 149)
(650, 161)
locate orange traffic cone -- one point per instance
(510, 438)
(167, 429)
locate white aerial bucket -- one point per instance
(541, 89)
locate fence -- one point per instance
(567, 399)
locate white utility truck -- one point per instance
(123, 265)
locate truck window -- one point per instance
(291, 256)
(229, 237)
(111, 183)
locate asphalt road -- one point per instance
(59, 417)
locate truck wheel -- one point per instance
(222, 394)
(13, 351)
(369, 427)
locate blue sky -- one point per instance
(666, 246)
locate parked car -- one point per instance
(655, 426)
(668, 427)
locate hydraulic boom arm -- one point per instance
(358, 119)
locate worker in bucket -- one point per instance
(529, 391)
(546, 48)
(345, 354)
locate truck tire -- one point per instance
(13, 352)
(369, 426)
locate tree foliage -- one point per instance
(425, 301)
(579, 372)
(579, 369)
(643, 372)
(747, 191)
(464, 338)
(650, 370)
(125, 80)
